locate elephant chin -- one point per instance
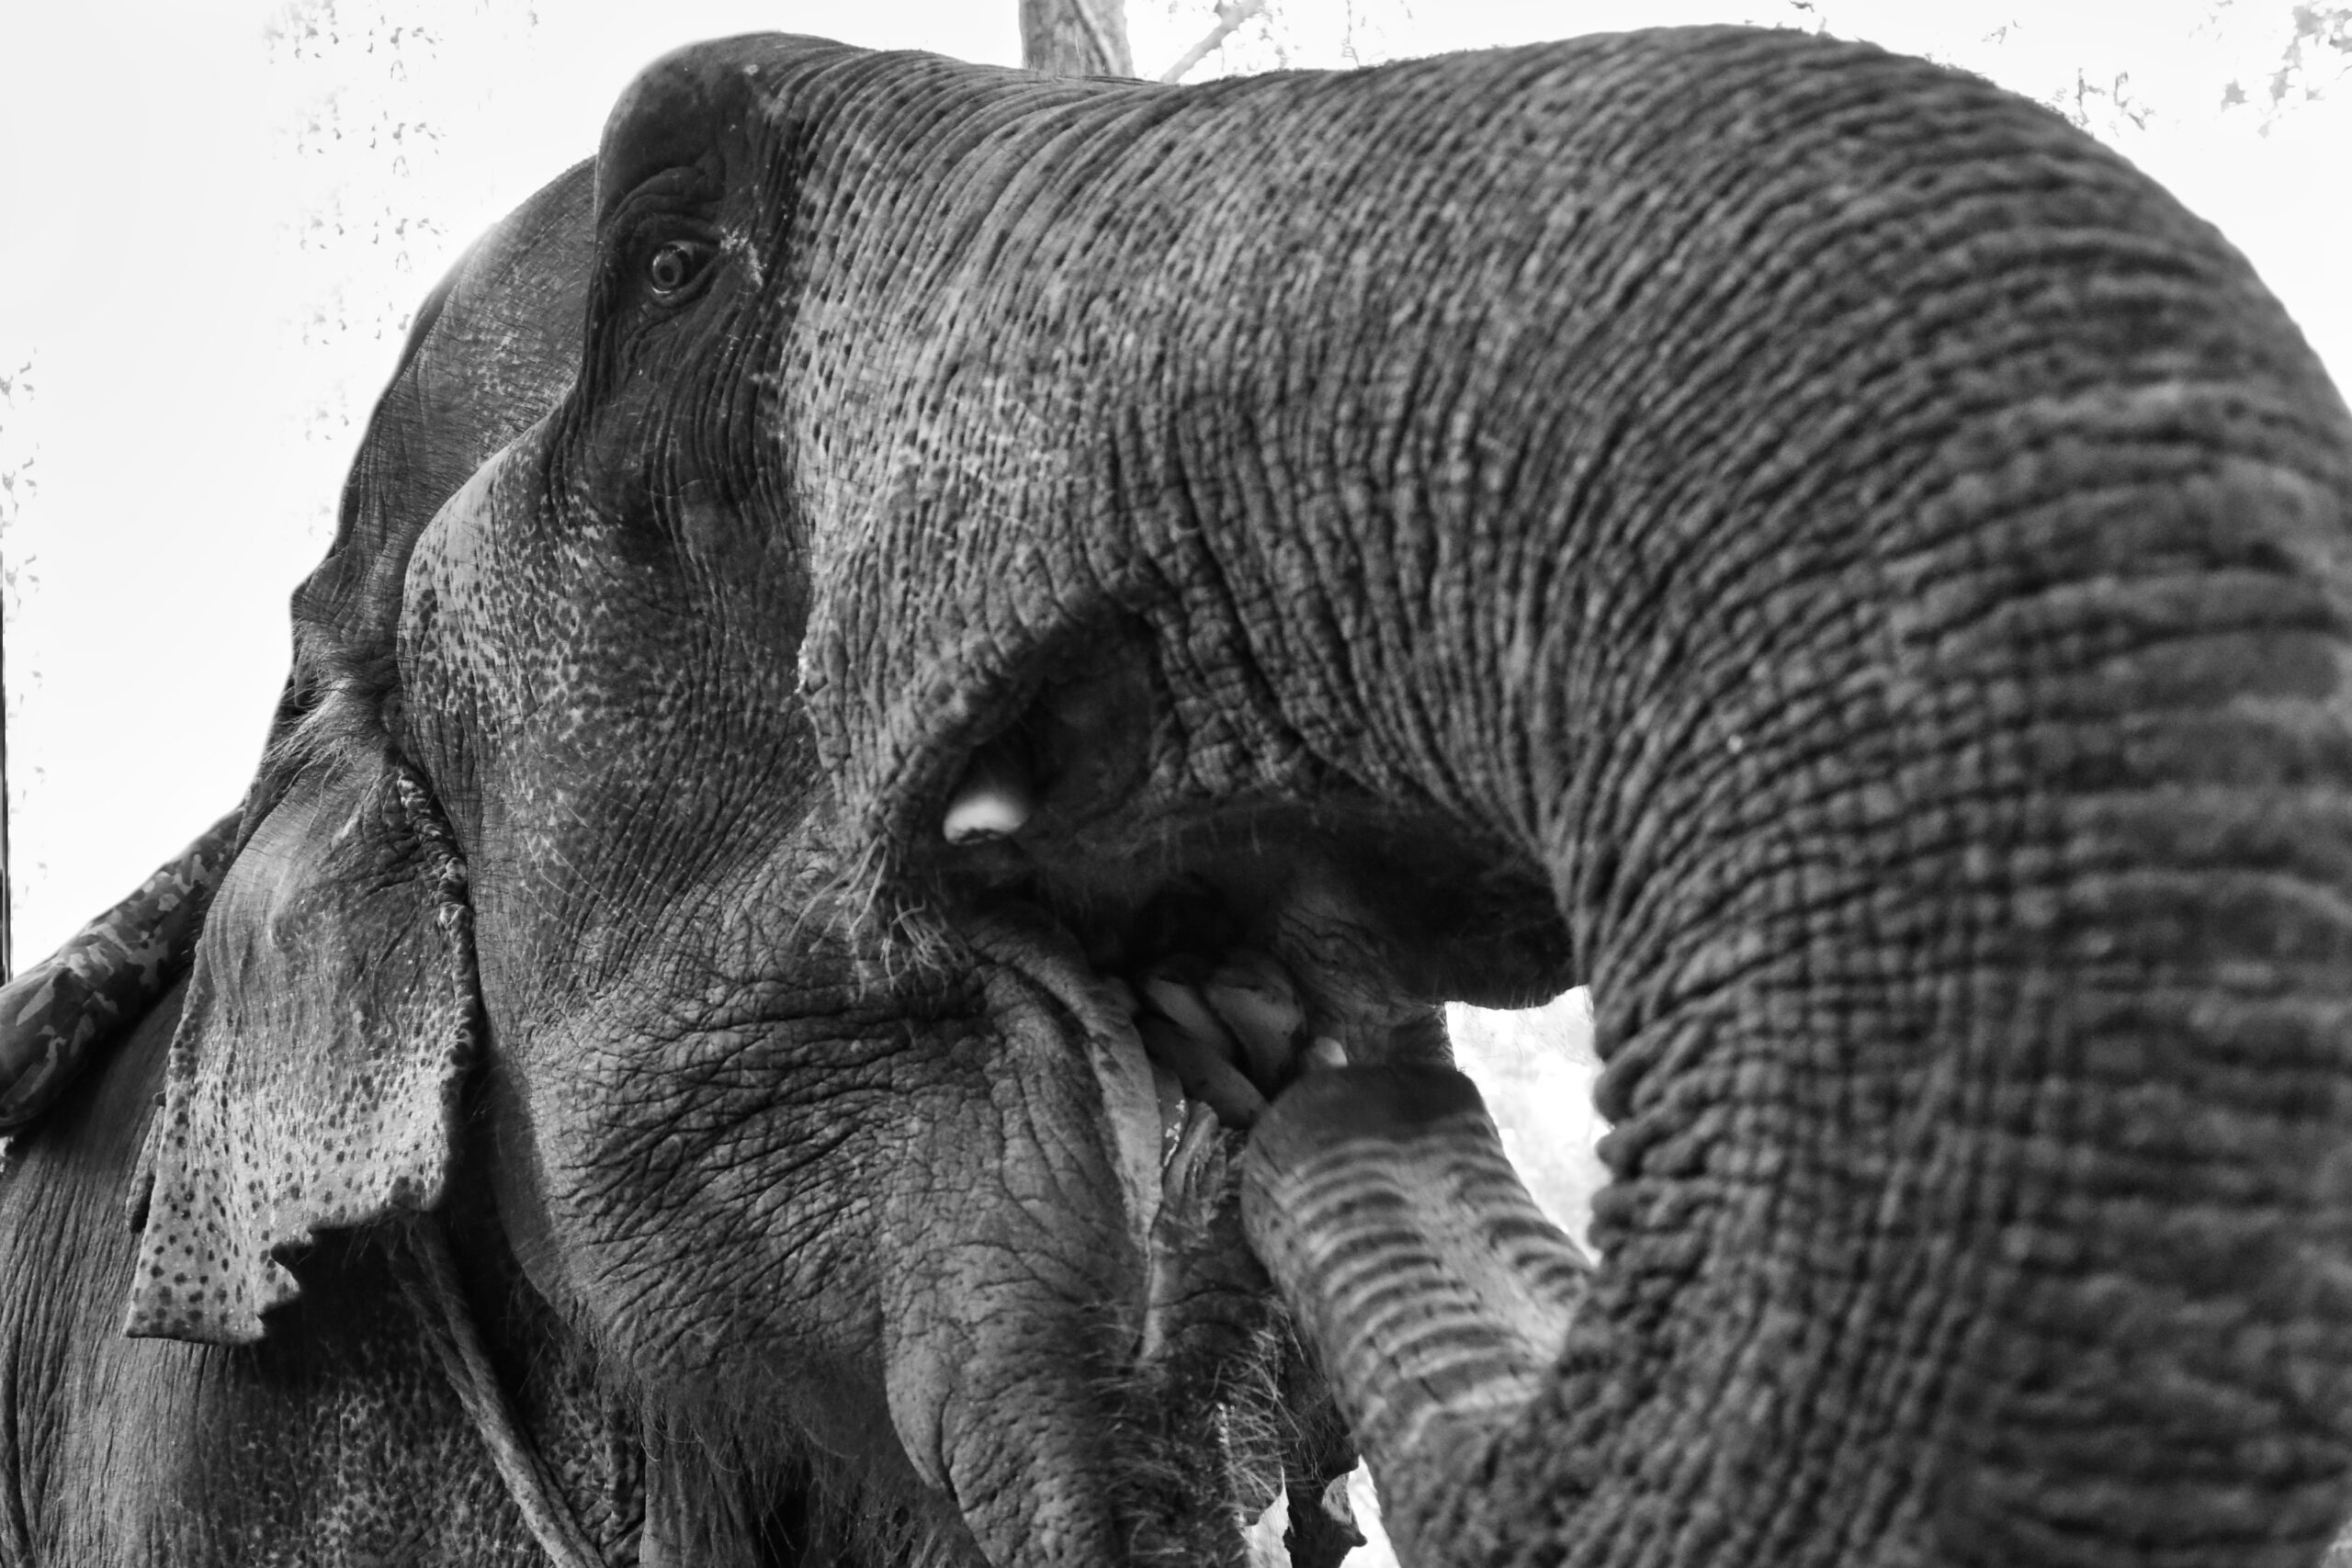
(1365, 1207)
(1216, 1411)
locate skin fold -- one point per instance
(1795, 537)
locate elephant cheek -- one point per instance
(464, 584)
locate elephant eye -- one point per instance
(673, 265)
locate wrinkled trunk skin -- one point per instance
(1864, 550)
(1360, 1200)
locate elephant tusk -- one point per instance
(995, 799)
(1323, 1053)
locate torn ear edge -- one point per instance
(331, 1023)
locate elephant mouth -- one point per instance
(1206, 951)
(1205, 966)
(1203, 978)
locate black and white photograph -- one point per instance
(1269, 783)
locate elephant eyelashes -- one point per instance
(674, 265)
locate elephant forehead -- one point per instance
(685, 104)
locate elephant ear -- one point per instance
(331, 1012)
(315, 1080)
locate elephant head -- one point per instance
(1795, 536)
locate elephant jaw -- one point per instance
(1114, 1052)
(1205, 1444)
(1375, 1199)
(1435, 1293)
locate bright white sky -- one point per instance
(217, 222)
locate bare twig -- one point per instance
(1094, 28)
(1230, 14)
(1075, 37)
(13, 489)
(7, 906)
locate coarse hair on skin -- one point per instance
(337, 706)
(1190, 1441)
(743, 1485)
(885, 918)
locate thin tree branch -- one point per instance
(1075, 37)
(1230, 14)
(1102, 39)
(8, 905)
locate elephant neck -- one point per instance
(566, 1447)
(427, 1272)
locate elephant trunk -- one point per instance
(1904, 626)
(1358, 1197)
(1974, 1047)
(1860, 575)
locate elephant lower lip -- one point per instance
(1161, 1125)
(1044, 955)
(1204, 1388)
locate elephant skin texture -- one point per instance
(1797, 539)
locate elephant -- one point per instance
(743, 923)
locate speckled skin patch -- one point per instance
(331, 1010)
(318, 1090)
